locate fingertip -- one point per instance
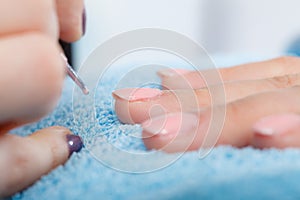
(277, 131)
(173, 132)
(72, 19)
(61, 139)
(40, 73)
(26, 159)
(75, 143)
(132, 104)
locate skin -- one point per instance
(30, 54)
(254, 92)
(37, 25)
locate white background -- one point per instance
(221, 26)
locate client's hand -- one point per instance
(31, 77)
(262, 107)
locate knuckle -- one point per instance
(204, 98)
(287, 64)
(233, 109)
(283, 81)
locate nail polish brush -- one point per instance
(74, 76)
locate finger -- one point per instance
(28, 15)
(237, 129)
(72, 20)
(25, 160)
(277, 131)
(137, 105)
(30, 80)
(183, 79)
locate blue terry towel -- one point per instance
(100, 171)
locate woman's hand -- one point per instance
(31, 77)
(262, 106)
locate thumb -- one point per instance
(25, 160)
(278, 131)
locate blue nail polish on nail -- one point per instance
(75, 143)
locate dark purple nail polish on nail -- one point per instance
(83, 22)
(75, 143)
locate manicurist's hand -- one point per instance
(263, 106)
(31, 77)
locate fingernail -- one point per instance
(137, 94)
(75, 143)
(172, 72)
(171, 124)
(276, 124)
(83, 21)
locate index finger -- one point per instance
(71, 17)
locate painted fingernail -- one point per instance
(171, 124)
(75, 143)
(276, 124)
(83, 21)
(137, 94)
(172, 72)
